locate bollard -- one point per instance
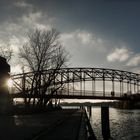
(105, 122)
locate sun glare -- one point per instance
(10, 83)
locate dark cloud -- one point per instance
(114, 21)
(117, 20)
(8, 11)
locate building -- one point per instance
(4, 93)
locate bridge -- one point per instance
(76, 83)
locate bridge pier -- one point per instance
(105, 122)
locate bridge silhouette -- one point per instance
(77, 83)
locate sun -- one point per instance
(9, 83)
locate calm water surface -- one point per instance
(124, 124)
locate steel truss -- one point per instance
(67, 77)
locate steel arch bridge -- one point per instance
(82, 83)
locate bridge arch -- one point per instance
(127, 82)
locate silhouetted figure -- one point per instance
(112, 93)
(4, 76)
(125, 95)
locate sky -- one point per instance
(96, 33)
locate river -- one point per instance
(124, 124)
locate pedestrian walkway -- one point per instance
(60, 124)
(68, 129)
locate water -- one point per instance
(124, 124)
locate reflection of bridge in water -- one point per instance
(80, 83)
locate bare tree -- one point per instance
(43, 51)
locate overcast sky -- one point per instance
(96, 33)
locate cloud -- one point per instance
(136, 69)
(13, 31)
(86, 48)
(119, 54)
(32, 20)
(23, 4)
(83, 38)
(87, 41)
(15, 43)
(134, 61)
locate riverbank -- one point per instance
(114, 104)
(59, 123)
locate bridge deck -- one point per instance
(75, 97)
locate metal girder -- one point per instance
(71, 75)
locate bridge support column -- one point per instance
(93, 82)
(103, 87)
(120, 88)
(93, 86)
(68, 82)
(81, 87)
(113, 87)
(130, 87)
(80, 83)
(73, 83)
(84, 83)
(61, 83)
(103, 82)
(23, 87)
(68, 88)
(134, 88)
(127, 87)
(137, 86)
